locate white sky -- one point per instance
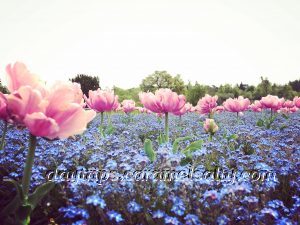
(210, 41)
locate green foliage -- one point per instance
(87, 82)
(266, 121)
(162, 79)
(21, 207)
(175, 146)
(149, 150)
(131, 93)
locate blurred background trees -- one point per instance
(3, 89)
(162, 79)
(192, 91)
(87, 82)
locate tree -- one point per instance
(3, 89)
(194, 93)
(162, 79)
(87, 82)
(295, 85)
(263, 88)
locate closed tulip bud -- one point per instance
(210, 126)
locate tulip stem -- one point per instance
(167, 127)
(210, 137)
(28, 166)
(3, 135)
(101, 123)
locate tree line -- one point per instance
(192, 91)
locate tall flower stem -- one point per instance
(3, 135)
(101, 123)
(28, 165)
(109, 118)
(167, 127)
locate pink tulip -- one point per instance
(18, 75)
(206, 104)
(102, 101)
(297, 101)
(272, 102)
(163, 101)
(187, 107)
(288, 104)
(218, 109)
(54, 116)
(128, 106)
(210, 126)
(3, 107)
(142, 110)
(24, 101)
(287, 110)
(237, 104)
(256, 106)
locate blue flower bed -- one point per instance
(113, 198)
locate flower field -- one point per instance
(165, 163)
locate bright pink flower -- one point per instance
(128, 106)
(297, 101)
(256, 106)
(3, 107)
(288, 110)
(163, 101)
(206, 104)
(18, 75)
(210, 126)
(102, 101)
(272, 102)
(239, 104)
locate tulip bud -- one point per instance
(210, 126)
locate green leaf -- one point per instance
(176, 142)
(232, 137)
(161, 139)
(260, 123)
(39, 193)
(193, 146)
(109, 130)
(285, 116)
(186, 161)
(149, 150)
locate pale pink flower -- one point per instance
(3, 107)
(102, 101)
(128, 106)
(163, 101)
(210, 126)
(256, 106)
(239, 104)
(297, 101)
(272, 102)
(18, 75)
(206, 104)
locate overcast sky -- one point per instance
(212, 42)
